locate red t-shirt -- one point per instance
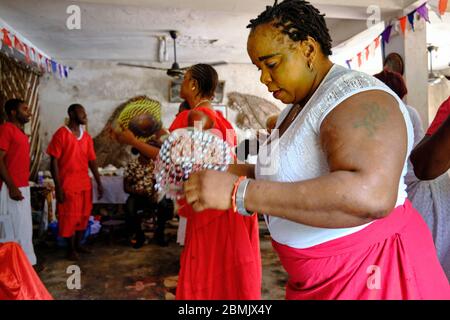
(441, 116)
(15, 143)
(73, 155)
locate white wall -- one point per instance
(102, 86)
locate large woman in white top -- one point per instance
(330, 180)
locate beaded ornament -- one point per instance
(184, 152)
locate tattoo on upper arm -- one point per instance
(373, 116)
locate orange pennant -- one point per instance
(442, 6)
(403, 24)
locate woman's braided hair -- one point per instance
(207, 78)
(298, 19)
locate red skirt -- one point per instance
(221, 258)
(18, 280)
(392, 258)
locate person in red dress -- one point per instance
(221, 258)
(72, 154)
(15, 199)
(431, 156)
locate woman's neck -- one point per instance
(322, 71)
(199, 101)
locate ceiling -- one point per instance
(209, 30)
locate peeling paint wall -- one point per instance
(102, 86)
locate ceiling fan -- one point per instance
(175, 70)
(433, 77)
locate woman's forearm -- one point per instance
(247, 170)
(146, 149)
(338, 200)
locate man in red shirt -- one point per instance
(14, 173)
(72, 153)
(431, 156)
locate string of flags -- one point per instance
(32, 55)
(439, 6)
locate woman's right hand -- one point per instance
(124, 136)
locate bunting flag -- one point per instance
(32, 55)
(18, 45)
(348, 63)
(442, 6)
(377, 42)
(6, 39)
(423, 12)
(411, 19)
(54, 66)
(386, 35)
(403, 24)
(359, 59)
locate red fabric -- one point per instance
(18, 280)
(73, 156)
(15, 143)
(221, 258)
(74, 212)
(441, 116)
(400, 247)
(221, 126)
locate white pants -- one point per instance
(19, 214)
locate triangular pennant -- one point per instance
(66, 71)
(359, 59)
(403, 24)
(6, 39)
(348, 63)
(423, 12)
(54, 66)
(61, 71)
(27, 53)
(48, 65)
(442, 6)
(377, 42)
(411, 19)
(367, 53)
(386, 35)
(18, 45)
(33, 54)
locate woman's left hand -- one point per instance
(210, 189)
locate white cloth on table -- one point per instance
(112, 190)
(19, 213)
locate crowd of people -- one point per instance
(355, 196)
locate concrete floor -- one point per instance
(117, 271)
